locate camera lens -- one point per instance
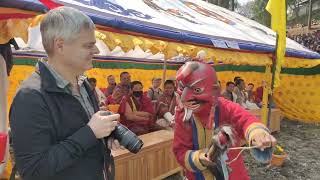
(127, 138)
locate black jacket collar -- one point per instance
(49, 84)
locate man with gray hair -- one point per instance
(58, 131)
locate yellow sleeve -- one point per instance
(192, 161)
(253, 129)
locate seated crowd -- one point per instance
(137, 112)
(238, 92)
(144, 112)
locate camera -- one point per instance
(126, 138)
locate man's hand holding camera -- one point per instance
(102, 125)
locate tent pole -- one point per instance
(274, 64)
(164, 75)
(265, 96)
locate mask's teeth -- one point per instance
(191, 105)
(187, 114)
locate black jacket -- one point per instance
(50, 136)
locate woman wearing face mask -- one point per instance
(166, 105)
(137, 112)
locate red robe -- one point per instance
(166, 104)
(187, 149)
(259, 94)
(138, 127)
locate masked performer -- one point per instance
(200, 110)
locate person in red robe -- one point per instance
(259, 94)
(136, 111)
(166, 105)
(200, 111)
(121, 90)
(111, 85)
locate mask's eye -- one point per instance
(198, 90)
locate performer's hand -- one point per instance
(205, 161)
(263, 139)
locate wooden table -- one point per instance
(154, 161)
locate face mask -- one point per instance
(137, 93)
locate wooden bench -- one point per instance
(154, 161)
(275, 119)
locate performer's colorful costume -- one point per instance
(201, 110)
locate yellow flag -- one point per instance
(277, 9)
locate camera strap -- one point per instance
(109, 170)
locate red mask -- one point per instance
(198, 89)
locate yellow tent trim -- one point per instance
(292, 62)
(11, 28)
(172, 49)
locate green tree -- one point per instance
(260, 14)
(295, 16)
(246, 9)
(293, 9)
